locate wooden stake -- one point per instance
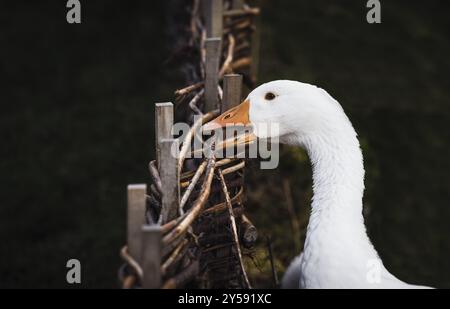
(213, 51)
(232, 91)
(170, 179)
(135, 218)
(213, 14)
(163, 125)
(151, 256)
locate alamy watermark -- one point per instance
(232, 141)
(374, 14)
(73, 16)
(74, 273)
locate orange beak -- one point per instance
(237, 116)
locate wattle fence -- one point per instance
(188, 228)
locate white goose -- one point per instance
(337, 251)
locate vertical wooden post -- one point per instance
(135, 218)
(232, 91)
(151, 256)
(213, 14)
(213, 51)
(170, 179)
(163, 125)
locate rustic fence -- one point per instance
(188, 227)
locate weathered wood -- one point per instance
(213, 51)
(163, 126)
(151, 256)
(135, 218)
(213, 15)
(170, 179)
(232, 91)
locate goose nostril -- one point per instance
(227, 116)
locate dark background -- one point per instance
(76, 127)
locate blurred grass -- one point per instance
(77, 127)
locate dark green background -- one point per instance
(76, 127)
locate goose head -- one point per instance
(299, 110)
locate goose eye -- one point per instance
(270, 96)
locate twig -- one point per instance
(171, 224)
(155, 191)
(229, 59)
(188, 89)
(234, 168)
(241, 63)
(249, 233)
(225, 161)
(131, 261)
(154, 174)
(194, 101)
(233, 227)
(192, 184)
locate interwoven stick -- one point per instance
(166, 228)
(233, 227)
(132, 262)
(192, 184)
(188, 89)
(234, 168)
(154, 174)
(194, 101)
